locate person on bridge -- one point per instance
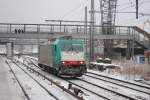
(15, 30)
(19, 30)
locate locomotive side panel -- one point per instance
(45, 55)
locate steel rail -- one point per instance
(82, 87)
(144, 83)
(118, 84)
(22, 88)
(146, 87)
(130, 98)
(37, 82)
(88, 90)
(53, 82)
(77, 85)
(104, 80)
(119, 94)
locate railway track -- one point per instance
(100, 89)
(37, 82)
(97, 94)
(22, 88)
(116, 93)
(144, 83)
(26, 94)
(33, 70)
(140, 88)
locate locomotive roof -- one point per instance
(67, 41)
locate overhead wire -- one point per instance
(132, 4)
(133, 20)
(143, 2)
(126, 3)
(75, 9)
(127, 7)
(74, 15)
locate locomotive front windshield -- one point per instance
(71, 47)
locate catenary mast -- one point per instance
(108, 14)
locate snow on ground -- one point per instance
(102, 92)
(34, 91)
(116, 88)
(13, 90)
(114, 76)
(131, 69)
(129, 92)
(52, 88)
(3, 49)
(32, 57)
(104, 84)
(87, 95)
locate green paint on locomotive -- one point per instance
(57, 49)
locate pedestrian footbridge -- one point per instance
(37, 33)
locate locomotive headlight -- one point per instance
(81, 62)
(63, 62)
(72, 53)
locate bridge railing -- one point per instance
(77, 29)
(64, 28)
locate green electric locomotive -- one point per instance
(64, 57)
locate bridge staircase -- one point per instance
(141, 37)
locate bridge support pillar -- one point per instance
(10, 49)
(149, 43)
(21, 49)
(128, 50)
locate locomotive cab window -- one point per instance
(71, 47)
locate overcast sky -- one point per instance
(36, 11)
